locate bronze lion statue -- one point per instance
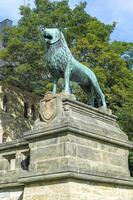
(61, 63)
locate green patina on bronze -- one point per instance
(61, 63)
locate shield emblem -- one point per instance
(48, 108)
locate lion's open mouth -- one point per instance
(47, 36)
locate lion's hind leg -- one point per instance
(92, 96)
(100, 96)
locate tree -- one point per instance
(89, 41)
(24, 52)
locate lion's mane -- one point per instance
(58, 55)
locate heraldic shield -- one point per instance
(48, 107)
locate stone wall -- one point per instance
(78, 152)
(12, 120)
(74, 190)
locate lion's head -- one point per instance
(51, 35)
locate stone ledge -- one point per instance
(97, 111)
(69, 174)
(13, 144)
(68, 127)
(95, 177)
(11, 185)
(64, 129)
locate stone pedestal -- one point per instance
(76, 152)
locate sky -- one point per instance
(107, 11)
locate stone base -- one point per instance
(74, 135)
(76, 190)
(74, 152)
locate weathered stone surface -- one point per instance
(80, 154)
(81, 190)
(54, 191)
(12, 122)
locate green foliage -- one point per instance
(89, 41)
